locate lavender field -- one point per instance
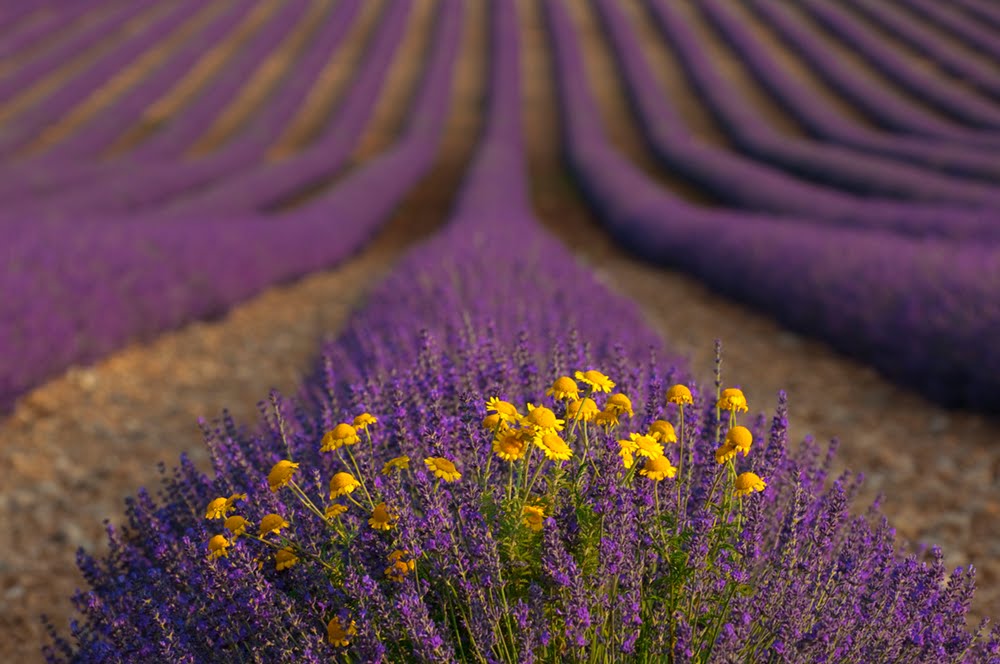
(396, 325)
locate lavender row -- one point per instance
(966, 107)
(883, 106)
(214, 99)
(31, 123)
(266, 185)
(980, 11)
(39, 30)
(438, 338)
(923, 312)
(247, 147)
(917, 35)
(70, 48)
(829, 164)
(82, 288)
(748, 184)
(826, 124)
(964, 29)
(236, 173)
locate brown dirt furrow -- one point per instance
(75, 447)
(940, 470)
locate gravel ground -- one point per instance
(74, 448)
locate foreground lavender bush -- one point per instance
(451, 538)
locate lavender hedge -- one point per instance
(756, 557)
(74, 296)
(923, 312)
(965, 29)
(86, 38)
(921, 38)
(949, 98)
(883, 106)
(748, 184)
(75, 158)
(27, 125)
(239, 181)
(825, 123)
(980, 11)
(829, 164)
(17, 38)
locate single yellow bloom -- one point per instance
(399, 567)
(658, 469)
(626, 453)
(619, 404)
(606, 418)
(598, 381)
(342, 484)
(646, 446)
(663, 431)
(740, 438)
(220, 507)
(364, 420)
(400, 462)
(442, 468)
(586, 408)
(217, 547)
(285, 558)
(563, 388)
(534, 517)
(725, 453)
(342, 434)
(554, 446)
(510, 445)
(679, 394)
(237, 525)
(732, 399)
(490, 422)
(281, 474)
(381, 519)
(338, 634)
(505, 409)
(272, 523)
(747, 483)
(543, 419)
(335, 510)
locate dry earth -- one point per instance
(75, 447)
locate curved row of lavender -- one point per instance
(747, 184)
(925, 41)
(77, 289)
(967, 30)
(884, 106)
(823, 122)
(434, 341)
(942, 95)
(834, 165)
(924, 312)
(981, 11)
(18, 35)
(23, 129)
(151, 170)
(74, 159)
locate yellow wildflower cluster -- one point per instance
(738, 440)
(400, 564)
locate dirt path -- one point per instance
(76, 447)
